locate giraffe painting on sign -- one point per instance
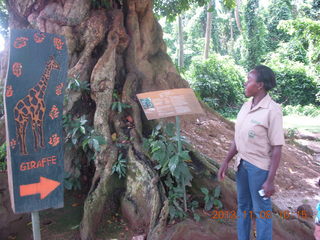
(31, 108)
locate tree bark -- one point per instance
(181, 54)
(237, 14)
(208, 32)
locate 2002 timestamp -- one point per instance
(226, 214)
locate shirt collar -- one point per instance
(264, 102)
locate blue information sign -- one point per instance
(33, 97)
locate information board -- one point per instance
(168, 103)
(33, 98)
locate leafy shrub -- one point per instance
(162, 146)
(218, 81)
(212, 198)
(3, 160)
(308, 110)
(296, 84)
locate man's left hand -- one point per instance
(268, 188)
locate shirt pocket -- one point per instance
(257, 135)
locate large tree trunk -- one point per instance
(119, 48)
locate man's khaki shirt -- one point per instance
(257, 130)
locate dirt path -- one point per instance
(298, 174)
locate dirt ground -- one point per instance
(297, 180)
(296, 183)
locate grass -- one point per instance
(301, 123)
(304, 123)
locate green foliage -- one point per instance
(72, 180)
(3, 160)
(172, 8)
(211, 199)
(97, 4)
(218, 81)
(296, 84)
(162, 145)
(75, 85)
(292, 133)
(253, 35)
(300, 110)
(120, 166)
(307, 32)
(117, 105)
(4, 17)
(277, 10)
(81, 136)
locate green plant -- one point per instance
(162, 146)
(117, 105)
(212, 198)
(81, 136)
(307, 110)
(3, 155)
(296, 82)
(97, 4)
(120, 166)
(218, 81)
(292, 133)
(76, 85)
(72, 180)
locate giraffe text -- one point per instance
(44, 162)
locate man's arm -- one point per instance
(268, 186)
(224, 166)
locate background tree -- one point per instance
(208, 30)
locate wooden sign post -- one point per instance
(168, 103)
(33, 98)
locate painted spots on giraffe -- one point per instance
(34, 107)
(26, 102)
(20, 105)
(41, 94)
(37, 88)
(34, 101)
(17, 69)
(24, 110)
(20, 42)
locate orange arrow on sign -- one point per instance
(44, 188)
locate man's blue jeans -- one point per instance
(249, 181)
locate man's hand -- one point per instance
(268, 188)
(317, 232)
(222, 170)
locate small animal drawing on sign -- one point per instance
(31, 109)
(54, 113)
(59, 89)
(54, 140)
(17, 69)
(58, 43)
(20, 42)
(39, 37)
(9, 91)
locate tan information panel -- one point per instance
(168, 103)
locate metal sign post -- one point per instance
(35, 225)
